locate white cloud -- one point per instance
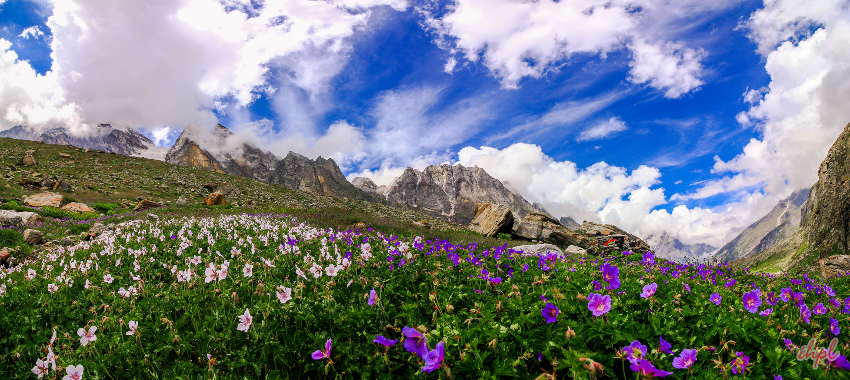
(519, 39)
(602, 130)
(33, 31)
(803, 109)
(667, 66)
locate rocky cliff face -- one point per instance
(569, 222)
(670, 248)
(780, 222)
(320, 176)
(826, 216)
(105, 137)
(452, 192)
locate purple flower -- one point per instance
(785, 294)
(496, 280)
(477, 291)
(730, 283)
(380, 339)
(649, 290)
(322, 354)
(664, 346)
(686, 359)
(716, 298)
(777, 377)
(766, 312)
(599, 304)
(805, 313)
(635, 351)
(434, 358)
(373, 297)
(752, 301)
(550, 313)
(789, 344)
(645, 368)
(739, 365)
(648, 258)
(820, 309)
(596, 285)
(829, 291)
(840, 362)
(611, 275)
(687, 287)
(524, 267)
(833, 326)
(414, 342)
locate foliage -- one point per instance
(187, 280)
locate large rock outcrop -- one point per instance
(780, 222)
(609, 237)
(541, 227)
(492, 219)
(454, 191)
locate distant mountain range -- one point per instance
(670, 248)
(105, 137)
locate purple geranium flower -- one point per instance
(434, 358)
(322, 354)
(687, 287)
(752, 301)
(664, 346)
(550, 313)
(730, 283)
(645, 368)
(611, 275)
(599, 304)
(829, 291)
(766, 312)
(785, 295)
(596, 285)
(496, 280)
(833, 326)
(789, 344)
(414, 342)
(373, 297)
(739, 365)
(648, 258)
(805, 313)
(634, 351)
(649, 290)
(380, 339)
(716, 298)
(840, 362)
(686, 359)
(820, 309)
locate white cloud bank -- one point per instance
(519, 39)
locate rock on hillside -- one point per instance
(453, 191)
(569, 222)
(122, 140)
(670, 248)
(780, 222)
(602, 233)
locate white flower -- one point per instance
(267, 262)
(210, 273)
(52, 288)
(88, 284)
(134, 328)
(284, 296)
(108, 278)
(51, 358)
(74, 372)
(300, 273)
(316, 270)
(331, 270)
(196, 260)
(245, 321)
(30, 274)
(40, 368)
(123, 292)
(87, 336)
(248, 270)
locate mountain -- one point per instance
(780, 222)
(122, 140)
(452, 191)
(673, 249)
(216, 151)
(569, 222)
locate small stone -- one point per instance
(153, 217)
(97, 228)
(182, 201)
(66, 241)
(64, 155)
(33, 236)
(422, 224)
(145, 204)
(28, 159)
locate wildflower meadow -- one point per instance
(264, 296)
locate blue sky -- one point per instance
(683, 117)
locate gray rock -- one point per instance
(491, 219)
(66, 241)
(182, 201)
(10, 218)
(33, 236)
(153, 217)
(576, 250)
(539, 226)
(97, 228)
(834, 265)
(534, 249)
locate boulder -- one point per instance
(97, 228)
(18, 218)
(576, 250)
(182, 201)
(4, 255)
(64, 155)
(422, 224)
(66, 241)
(33, 236)
(215, 199)
(611, 238)
(539, 226)
(490, 219)
(45, 199)
(248, 203)
(535, 249)
(28, 159)
(61, 185)
(834, 265)
(219, 187)
(145, 204)
(77, 207)
(153, 217)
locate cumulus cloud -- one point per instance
(33, 31)
(602, 130)
(519, 39)
(802, 110)
(668, 65)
